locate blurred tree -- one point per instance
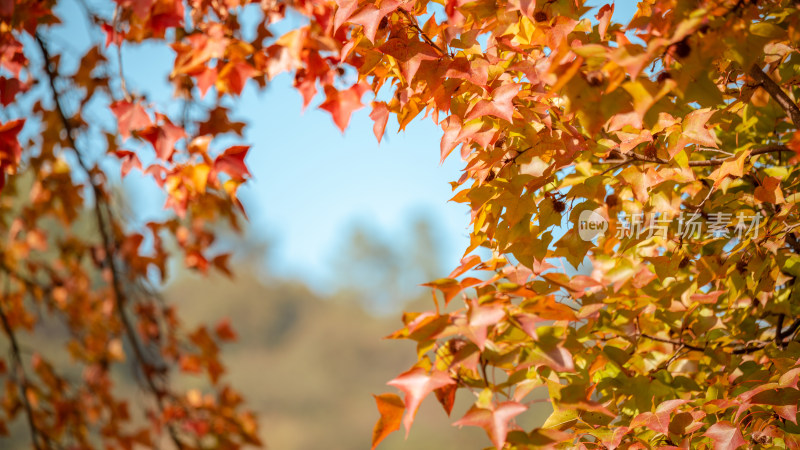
(385, 268)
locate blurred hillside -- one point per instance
(308, 365)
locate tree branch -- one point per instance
(775, 91)
(678, 343)
(737, 351)
(635, 157)
(108, 247)
(790, 330)
(422, 34)
(20, 374)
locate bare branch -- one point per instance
(635, 157)
(775, 91)
(737, 351)
(21, 376)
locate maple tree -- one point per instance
(672, 340)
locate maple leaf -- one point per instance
(233, 77)
(140, 7)
(345, 9)
(450, 287)
(604, 18)
(112, 36)
(659, 420)
(725, 436)
(493, 420)
(341, 104)
(308, 89)
(206, 79)
(163, 137)
(417, 384)
(467, 263)
(411, 53)
(475, 71)
(231, 161)
(9, 88)
(500, 106)
(224, 331)
(694, 128)
(129, 161)
(391, 408)
(452, 129)
(131, 116)
(165, 14)
(733, 167)
(219, 122)
(10, 149)
(370, 17)
(380, 115)
(480, 318)
(769, 191)
(447, 397)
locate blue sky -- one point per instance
(310, 182)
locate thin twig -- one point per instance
(108, 246)
(414, 25)
(737, 351)
(777, 93)
(20, 369)
(123, 86)
(635, 157)
(677, 343)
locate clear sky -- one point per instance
(310, 182)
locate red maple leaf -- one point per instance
(129, 161)
(10, 149)
(163, 137)
(417, 384)
(9, 88)
(370, 17)
(494, 421)
(380, 114)
(501, 106)
(604, 18)
(232, 162)
(130, 117)
(341, 104)
(112, 35)
(725, 436)
(390, 407)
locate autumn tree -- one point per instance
(660, 153)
